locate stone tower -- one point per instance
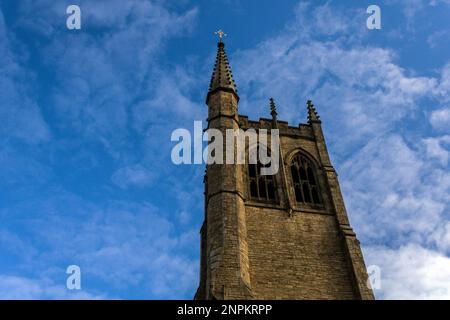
(285, 236)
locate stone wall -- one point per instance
(298, 257)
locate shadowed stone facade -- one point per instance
(298, 245)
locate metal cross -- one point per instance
(221, 34)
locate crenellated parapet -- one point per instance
(301, 131)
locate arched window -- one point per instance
(262, 187)
(306, 186)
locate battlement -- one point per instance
(302, 130)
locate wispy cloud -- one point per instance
(120, 244)
(412, 272)
(21, 288)
(133, 175)
(99, 77)
(436, 149)
(440, 119)
(21, 116)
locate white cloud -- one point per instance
(441, 237)
(444, 87)
(435, 149)
(393, 195)
(22, 288)
(360, 91)
(440, 119)
(135, 175)
(411, 272)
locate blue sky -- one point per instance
(85, 171)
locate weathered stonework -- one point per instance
(283, 249)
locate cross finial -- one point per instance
(220, 34)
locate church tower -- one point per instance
(281, 236)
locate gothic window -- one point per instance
(306, 185)
(262, 187)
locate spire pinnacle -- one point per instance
(222, 77)
(312, 113)
(273, 108)
(273, 112)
